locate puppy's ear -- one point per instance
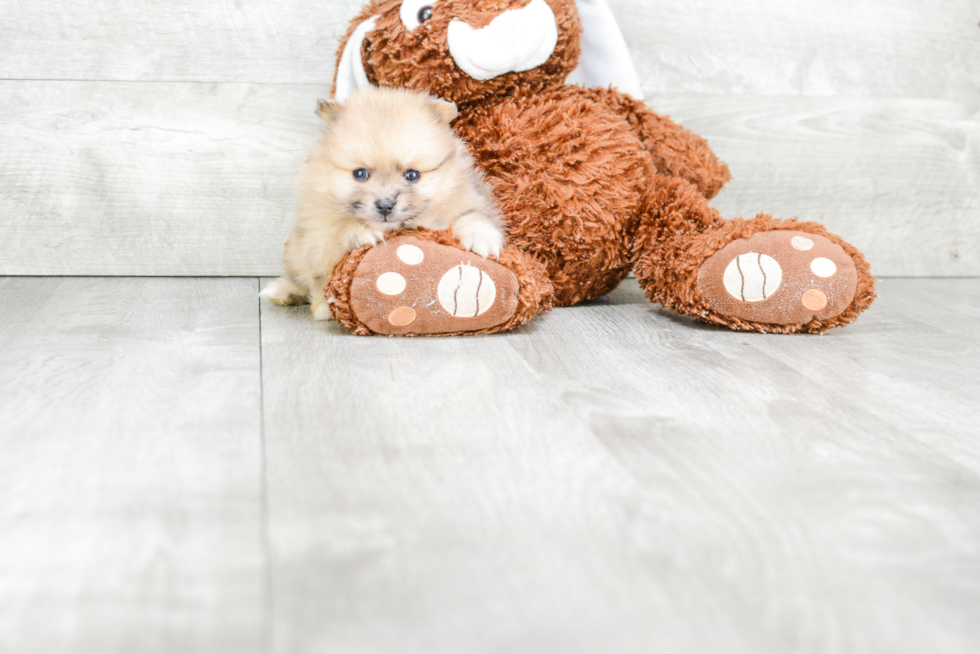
(328, 110)
(446, 110)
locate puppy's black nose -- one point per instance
(385, 207)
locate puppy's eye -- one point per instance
(413, 175)
(361, 174)
(415, 12)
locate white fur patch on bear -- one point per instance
(823, 267)
(515, 41)
(391, 283)
(411, 255)
(752, 277)
(466, 292)
(802, 243)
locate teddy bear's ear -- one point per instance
(605, 59)
(446, 110)
(328, 110)
(350, 70)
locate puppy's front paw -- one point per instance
(479, 235)
(321, 311)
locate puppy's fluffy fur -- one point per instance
(387, 160)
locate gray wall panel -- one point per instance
(168, 144)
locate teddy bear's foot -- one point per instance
(781, 280)
(424, 284)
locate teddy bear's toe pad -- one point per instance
(780, 277)
(410, 286)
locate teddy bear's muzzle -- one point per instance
(515, 41)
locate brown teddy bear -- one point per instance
(592, 184)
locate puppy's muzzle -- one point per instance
(385, 207)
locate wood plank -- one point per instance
(898, 178)
(149, 179)
(909, 49)
(616, 478)
(758, 47)
(187, 179)
(131, 474)
(272, 41)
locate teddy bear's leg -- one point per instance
(676, 151)
(422, 283)
(763, 274)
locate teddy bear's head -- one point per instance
(462, 50)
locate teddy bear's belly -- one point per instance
(569, 175)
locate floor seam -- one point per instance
(266, 543)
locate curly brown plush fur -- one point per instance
(591, 182)
(672, 281)
(419, 60)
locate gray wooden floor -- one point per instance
(185, 470)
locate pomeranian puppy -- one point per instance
(387, 160)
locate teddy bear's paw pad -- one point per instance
(780, 277)
(407, 286)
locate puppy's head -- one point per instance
(386, 155)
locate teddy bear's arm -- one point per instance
(676, 150)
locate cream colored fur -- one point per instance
(386, 132)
